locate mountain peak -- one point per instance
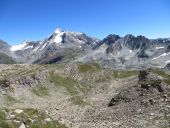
(129, 36)
(58, 30)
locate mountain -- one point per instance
(5, 54)
(113, 51)
(77, 91)
(59, 46)
(131, 51)
(4, 46)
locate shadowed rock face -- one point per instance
(111, 39)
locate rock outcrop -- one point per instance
(149, 84)
(147, 80)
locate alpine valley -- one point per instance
(72, 80)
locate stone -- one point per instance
(18, 111)
(152, 114)
(22, 125)
(47, 119)
(16, 121)
(12, 116)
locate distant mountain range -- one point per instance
(69, 47)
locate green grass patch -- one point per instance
(4, 123)
(26, 117)
(71, 86)
(78, 100)
(90, 67)
(66, 82)
(40, 91)
(102, 79)
(10, 100)
(124, 74)
(51, 124)
(164, 75)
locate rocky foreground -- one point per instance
(83, 96)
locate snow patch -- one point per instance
(18, 47)
(28, 47)
(58, 30)
(43, 46)
(159, 47)
(58, 33)
(130, 51)
(163, 55)
(168, 61)
(58, 38)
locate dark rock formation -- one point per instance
(149, 85)
(147, 80)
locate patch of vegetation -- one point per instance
(40, 91)
(10, 100)
(32, 70)
(165, 121)
(164, 75)
(90, 67)
(51, 124)
(66, 82)
(102, 79)
(70, 85)
(78, 100)
(30, 117)
(124, 74)
(4, 123)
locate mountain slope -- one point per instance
(5, 54)
(5, 59)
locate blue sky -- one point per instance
(36, 19)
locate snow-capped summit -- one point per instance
(58, 30)
(56, 37)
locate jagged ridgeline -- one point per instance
(68, 47)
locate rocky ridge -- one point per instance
(113, 51)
